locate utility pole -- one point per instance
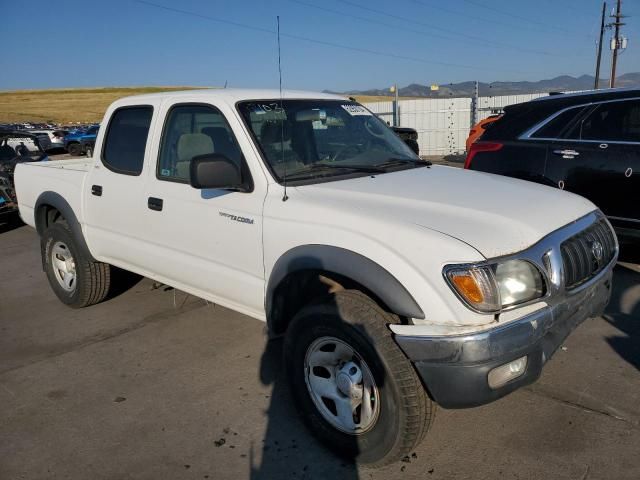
(599, 57)
(616, 43)
(396, 105)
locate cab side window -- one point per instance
(191, 131)
(556, 126)
(126, 139)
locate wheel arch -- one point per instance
(44, 215)
(344, 268)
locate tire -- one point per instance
(413, 145)
(87, 282)
(74, 149)
(404, 411)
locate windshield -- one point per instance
(312, 139)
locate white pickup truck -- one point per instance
(398, 285)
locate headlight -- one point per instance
(491, 288)
(518, 282)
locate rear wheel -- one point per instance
(74, 149)
(76, 280)
(355, 388)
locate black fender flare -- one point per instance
(55, 200)
(348, 264)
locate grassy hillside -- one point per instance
(68, 105)
(78, 104)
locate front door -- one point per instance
(208, 241)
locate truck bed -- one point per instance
(77, 164)
(64, 177)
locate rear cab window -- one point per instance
(126, 139)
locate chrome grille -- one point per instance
(584, 255)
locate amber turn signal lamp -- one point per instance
(468, 288)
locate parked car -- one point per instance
(586, 143)
(75, 142)
(56, 137)
(43, 139)
(15, 147)
(8, 202)
(409, 136)
(389, 277)
(478, 129)
(88, 144)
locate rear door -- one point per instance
(114, 188)
(525, 155)
(599, 158)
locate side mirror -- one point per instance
(214, 170)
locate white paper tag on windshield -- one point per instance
(356, 110)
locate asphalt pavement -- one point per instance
(155, 384)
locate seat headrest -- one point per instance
(217, 134)
(193, 144)
(272, 131)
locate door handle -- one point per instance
(154, 204)
(96, 190)
(567, 153)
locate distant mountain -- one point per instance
(466, 89)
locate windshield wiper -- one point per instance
(314, 167)
(394, 162)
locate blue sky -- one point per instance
(328, 44)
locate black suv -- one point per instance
(586, 143)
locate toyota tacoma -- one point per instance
(398, 285)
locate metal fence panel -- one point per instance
(489, 105)
(443, 123)
(382, 109)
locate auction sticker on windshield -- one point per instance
(356, 110)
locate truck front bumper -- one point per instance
(455, 369)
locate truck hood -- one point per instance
(494, 214)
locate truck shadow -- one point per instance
(11, 223)
(121, 281)
(623, 312)
(289, 450)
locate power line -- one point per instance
(374, 22)
(322, 42)
(440, 29)
(514, 15)
(456, 37)
(467, 15)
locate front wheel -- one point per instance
(355, 388)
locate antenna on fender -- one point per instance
(285, 197)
